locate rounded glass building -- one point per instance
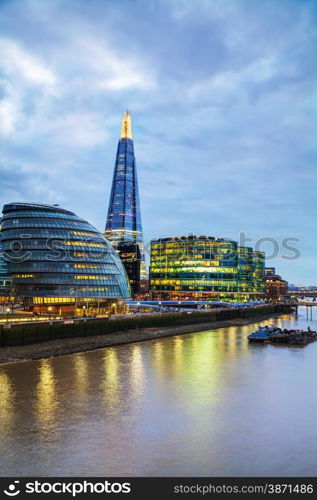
(4, 278)
(58, 261)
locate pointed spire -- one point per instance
(126, 128)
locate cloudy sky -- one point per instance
(223, 101)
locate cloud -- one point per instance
(72, 131)
(18, 62)
(223, 100)
(109, 69)
(9, 109)
(24, 75)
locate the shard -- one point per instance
(124, 227)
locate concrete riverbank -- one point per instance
(64, 346)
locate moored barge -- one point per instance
(277, 336)
(294, 337)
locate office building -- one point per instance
(205, 268)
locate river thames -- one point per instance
(201, 404)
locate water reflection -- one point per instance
(178, 356)
(231, 342)
(207, 403)
(81, 374)
(203, 367)
(6, 403)
(110, 382)
(46, 402)
(136, 371)
(158, 357)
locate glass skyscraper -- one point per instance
(124, 214)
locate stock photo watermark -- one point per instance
(59, 249)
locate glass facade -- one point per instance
(4, 277)
(53, 256)
(124, 214)
(202, 267)
(259, 272)
(245, 269)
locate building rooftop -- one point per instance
(40, 206)
(193, 237)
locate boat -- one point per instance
(284, 337)
(304, 337)
(263, 333)
(294, 337)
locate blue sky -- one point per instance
(223, 102)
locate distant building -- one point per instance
(259, 272)
(205, 268)
(123, 227)
(270, 271)
(130, 255)
(143, 292)
(244, 269)
(58, 262)
(297, 288)
(275, 286)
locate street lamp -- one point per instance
(84, 308)
(138, 304)
(8, 310)
(49, 312)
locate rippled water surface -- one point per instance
(206, 403)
